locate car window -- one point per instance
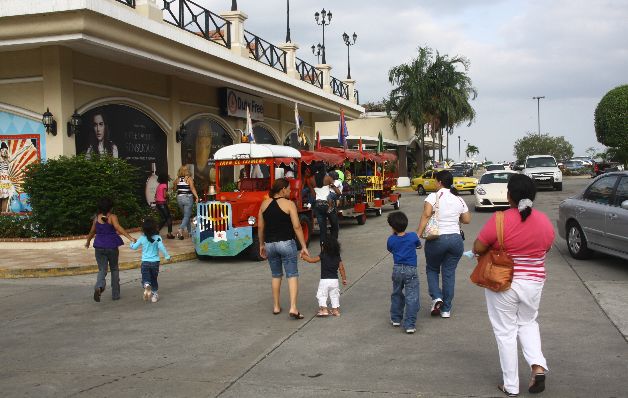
(622, 191)
(540, 162)
(427, 175)
(601, 191)
(495, 167)
(495, 178)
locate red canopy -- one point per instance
(331, 159)
(345, 154)
(386, 157)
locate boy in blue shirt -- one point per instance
(403, 246)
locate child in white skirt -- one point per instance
(328, 287)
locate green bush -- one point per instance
(64, 193)
(14, 226)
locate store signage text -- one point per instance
(234, 103)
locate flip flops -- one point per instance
(296, 316)
(538, 384)
(277, 312)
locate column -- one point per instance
(238, 44)
(173, 147)
(149, 9)
(326, 69)
(291, 58)
(402, 151)
(351, 84)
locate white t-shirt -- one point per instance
(322, 193)
(338, 185)
(450, 207)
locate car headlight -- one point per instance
(480, 191)
(558, 174)
(252, 220)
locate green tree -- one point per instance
(533, 144)
(611, 120)
(471, 150)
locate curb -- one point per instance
(79, 269)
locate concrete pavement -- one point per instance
(213, 334)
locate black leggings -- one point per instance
(166, 218)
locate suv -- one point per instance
(544, 171)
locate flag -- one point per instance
(343, 133)
(360, 145)
(250, 138)
(380, 143)
(318, 140)
(298, 121)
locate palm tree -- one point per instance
(471, 150)
(406, 101)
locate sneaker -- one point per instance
(170, 236)
(147, 292)
(445, 314)
(395, 323)
(436, 304)
(155, 298)
(410, 331)
(97, 292)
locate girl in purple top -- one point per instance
(106, 228)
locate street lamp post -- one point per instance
(348, 43)
(317, 50)
(459, 155)
(234, 5)
(323, 18)
(538, 111)
(288, 40)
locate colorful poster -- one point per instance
(127, 133)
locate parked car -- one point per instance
(585, 159)
(427, 182)
(466, 168)
(597, 219)
(495, 166)
(544, 170)
(605, 167)
(573, 165)
(492, 189)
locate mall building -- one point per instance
(157, 82)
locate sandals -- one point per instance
(538, 383)
(170, 236)
(322, 312)
(277, 312)
(296, 316)
(508, 394)
(335, 312)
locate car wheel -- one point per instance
(254, 249)
(306, 227)
(420, 190)
(361, 219)
(397, 204)
(577, 242)
(558, 186)
(378, 212)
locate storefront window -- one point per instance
(204, 137)
(263, 136)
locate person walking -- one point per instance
(528, 236)
(324, 185)
(161, 202)
(278, 225)
(151, 244)
(106, 229)
(328, 287)
(443, 253)
(186, 197)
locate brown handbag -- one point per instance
(495, 267)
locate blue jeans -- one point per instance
(282, 255)
(108, 258)
(322, 214)
(185, 203)
(443, 254)
(405, 294)
(150, 271)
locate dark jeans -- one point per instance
(443, 254)
(322, 215)
(104, 258)
(150, 271)
(166, 218)
(405, 294)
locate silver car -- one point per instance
(597, 219)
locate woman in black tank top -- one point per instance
(278, 225)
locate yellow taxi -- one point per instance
(427, 182)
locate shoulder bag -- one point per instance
(431, 229)
(495, 267)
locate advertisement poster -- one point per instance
(204, 137)
(16, 153)
(127, 133)
(234, 103)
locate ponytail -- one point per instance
(522, 193)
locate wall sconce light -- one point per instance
(74, 124)
(49, 122)
(181, 133)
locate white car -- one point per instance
(492, 189)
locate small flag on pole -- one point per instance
(318, 140)
(298, 121)
(360, 145)
(343, 133)
(380, 143)
(250, 138)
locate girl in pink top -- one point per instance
(161, 201)
(528, 236)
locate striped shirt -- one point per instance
(183, 188)
(526, 242)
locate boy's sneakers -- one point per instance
(395, 323)
(436, 304)
(445, 314)
(147, 292)
(155, 298)
(410, 331)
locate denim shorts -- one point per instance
(282, 255)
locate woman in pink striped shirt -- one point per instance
(528, 236)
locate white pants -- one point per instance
(328, 288)
(513, 314)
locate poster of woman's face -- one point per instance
(123, 132)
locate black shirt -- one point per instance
(277, 224)
(329, 266)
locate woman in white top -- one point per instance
(323, 185)
(444, 252)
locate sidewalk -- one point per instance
(70, 257)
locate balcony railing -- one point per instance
(265, 52)
(189, 16)
(339, 88)
(130, 3)
(308, 73)
(356, 96)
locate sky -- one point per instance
(570, 51)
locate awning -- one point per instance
(331, 159)
(345, 154)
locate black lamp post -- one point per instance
(323, 18)
(538, 111)
(458, 148)
(49, 122)
(349, 43)
(181, 133)
(234, 5)
(288, 23)
(317, 51)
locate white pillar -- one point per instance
(238, 44)
(291, 58)
(149, 9)
(351, 84)
(326, 69)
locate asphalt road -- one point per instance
(213, 334)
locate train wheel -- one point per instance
(306, 226)
(361, 219)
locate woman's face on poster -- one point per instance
(99, 127)
(4, 153)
